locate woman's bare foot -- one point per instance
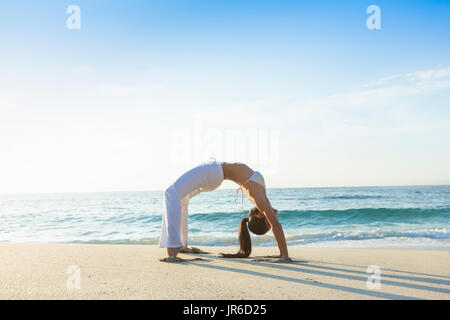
(171, 259)
(172, 252)
(192, 250)
(272, 256)
(177, 259)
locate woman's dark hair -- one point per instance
(256, 225)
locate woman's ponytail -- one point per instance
(245, 242)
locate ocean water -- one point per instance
(401, 217)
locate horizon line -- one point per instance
(155, 190)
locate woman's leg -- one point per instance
(184, 221)
(184, 230)
(171, 229)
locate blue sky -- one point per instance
(147, 89)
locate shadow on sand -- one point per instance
(318, 268)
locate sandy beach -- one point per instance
(88, 271)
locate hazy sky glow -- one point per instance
(145, 90)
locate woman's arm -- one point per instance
(278, 232)
(262, 203)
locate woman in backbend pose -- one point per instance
(208, 177)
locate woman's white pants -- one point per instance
(174, 228)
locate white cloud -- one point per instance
(370, 110)
(416, 76)
(398, 85)
(389, 109)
